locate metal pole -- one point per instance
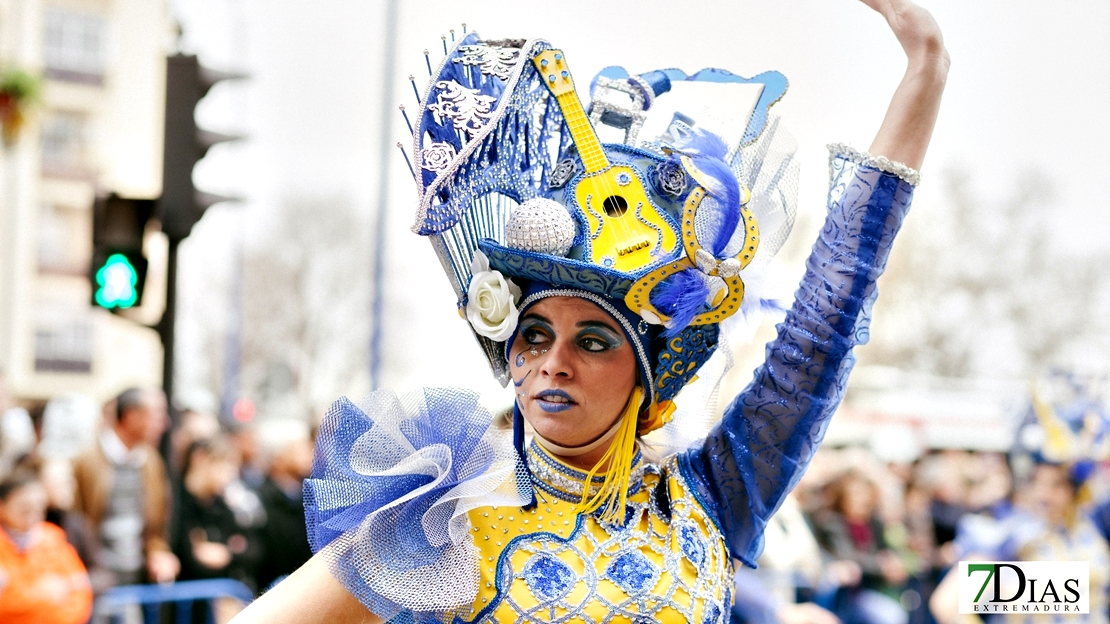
(233, 336)
(384, 158)
(166, 329)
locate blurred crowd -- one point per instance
(93, 498)
(862, 541)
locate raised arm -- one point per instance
(908, 125)
(769, 433)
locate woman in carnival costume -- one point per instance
(596, 279)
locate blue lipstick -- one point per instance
(553, 406)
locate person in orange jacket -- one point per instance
(42, 580)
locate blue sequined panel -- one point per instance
(692, 544)
(767, 436)
(548, 577)
(633, 572)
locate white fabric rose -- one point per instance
(491, 301)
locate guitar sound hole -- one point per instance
(615, 205)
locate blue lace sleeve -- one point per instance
(761, 447)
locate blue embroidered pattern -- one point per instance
(557, 271)
(682, 357)
(692, 545)
(549, 578)
(633, 572)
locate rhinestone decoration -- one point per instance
(540, 225)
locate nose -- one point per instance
(558, 361)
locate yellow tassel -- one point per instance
(613, 494)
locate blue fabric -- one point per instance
(768, 434)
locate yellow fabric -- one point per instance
(657, 415)
(507, 539)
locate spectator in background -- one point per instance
(61, 490)
(192, 425)
(207, 537)
(851, 530)
(123, 492)
(245, 438)
(286, 447)
(42, 580)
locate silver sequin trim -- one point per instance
(908, 174)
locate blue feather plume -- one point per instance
(680, 297)
(708, 152)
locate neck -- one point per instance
(583, 457)
(585, 461)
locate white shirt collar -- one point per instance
(118, 453)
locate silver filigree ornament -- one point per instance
(492, 61)
(437, 157)
(467, 109)
(562, 173)
(540, 225)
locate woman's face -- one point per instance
(573, 369)
(24, 508)
(858, 500)
(1051, 493)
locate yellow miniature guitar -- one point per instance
(626, 231)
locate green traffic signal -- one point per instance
(116, 283)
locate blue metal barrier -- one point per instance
(114, 603)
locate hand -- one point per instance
(162, 566)
(892, 568)
(806, 613)
(212, 555)
(913, 26)
(844, 573)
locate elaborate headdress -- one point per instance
(522, 201)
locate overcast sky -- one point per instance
(1029, 90)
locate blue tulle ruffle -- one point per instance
(391, 484)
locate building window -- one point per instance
(75, 47)
(64, 346)
(63, 144)
(65, 240)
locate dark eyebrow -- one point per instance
(538, 317)
(601, 324)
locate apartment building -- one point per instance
(97, 128)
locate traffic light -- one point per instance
(182, 205)
(118, 271)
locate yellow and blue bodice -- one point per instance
(419, 504)
(668, 563)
